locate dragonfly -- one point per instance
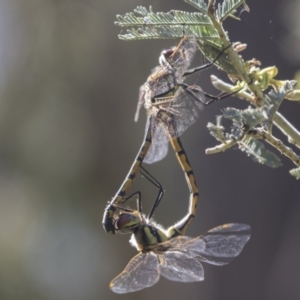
(172, 107)
(169, 254)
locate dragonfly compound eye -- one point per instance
(165, 55)
(127, 222)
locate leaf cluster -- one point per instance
(250, 80)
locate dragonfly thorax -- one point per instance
(159, 83)
(146, 236)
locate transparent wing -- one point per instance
(173, 119)
(141, 101)
(183, 56)
(141, 272)
(178, 266)
(159, 146)
(220, 245)
(186, 108)
(156, 152)
(161, 82)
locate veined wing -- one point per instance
(178, 266)
(141, 102)
(186, 108)
(156, 152)
(159, 146)
(220, 245)
(141, 272)
(160, 81)
(182, 56)
(173, 119)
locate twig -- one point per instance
(280, 121)
(221, 147)
(235, 59)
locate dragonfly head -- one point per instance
(164, 56)
(127, 222)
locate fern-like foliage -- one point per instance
(217, 132)
(142, 16)
(251, 124)
(275, 98)
(198, 4)
(249, 117)
(229, 8)
(257, 151)
(211, 49)
(145, 24)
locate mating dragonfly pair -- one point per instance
(172, 106)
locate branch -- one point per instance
(221, 147)
(280, 121)
(235, 59)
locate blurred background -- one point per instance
(68, 94)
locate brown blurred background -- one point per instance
(68, 93)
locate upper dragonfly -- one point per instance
(167, 253)
(171, 105)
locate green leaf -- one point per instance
(249, 117)
(295, 172)
(237, 131)
(276, 97)
(274, 100)
(228, 8)
(199, 4)
(211, 49)
(145, 24)
(259, 153)
(217, 132)
(157, 32)
(141, 16)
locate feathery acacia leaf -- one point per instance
(199, 4)
(217, 132)
(249, 117)
(174, 17)
(228, 8)
(145, 24)
(259, 153)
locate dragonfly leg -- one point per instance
(194, 90)
(206, 66)
(220, 97)
(138, 199)
(161, 191)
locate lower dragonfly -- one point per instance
(166, 123)
(167, 252)
(109, 212)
